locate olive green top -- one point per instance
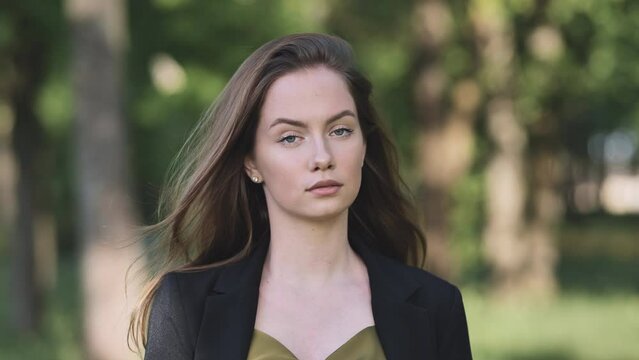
(362, 346)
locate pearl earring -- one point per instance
(255, 179)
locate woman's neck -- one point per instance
(310, 255)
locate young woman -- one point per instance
(289, 236)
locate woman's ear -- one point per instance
(251, 169)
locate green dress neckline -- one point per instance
(267, 347)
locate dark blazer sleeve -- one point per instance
(454, 342)
(167, 330)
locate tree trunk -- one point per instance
(106, 217)
(25, 292)
(548, 206)
(504, 235)
(504, 240)
(520, 249)
(27, 285)
(445, 143)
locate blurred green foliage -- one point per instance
(590, 83)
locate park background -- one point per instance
(517, 124)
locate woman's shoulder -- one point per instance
(433, 282)
(187, 288)
(431, 290)
(177, 306)
(441, 299)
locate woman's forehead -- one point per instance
(307, 95)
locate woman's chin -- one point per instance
(325, 214)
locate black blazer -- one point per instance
(210, 314)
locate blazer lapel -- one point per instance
(404, 329)
(230, 309)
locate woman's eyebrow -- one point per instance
(303, 125)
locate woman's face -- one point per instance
(308, 131)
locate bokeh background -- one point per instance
(517, 123)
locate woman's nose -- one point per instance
(322, 158)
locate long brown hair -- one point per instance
(214, 214)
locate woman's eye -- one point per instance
(342, 131)
(288, 139)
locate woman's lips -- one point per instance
(326, 190)
(325, 183)
(325, 187)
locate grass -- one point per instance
(574, 326)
